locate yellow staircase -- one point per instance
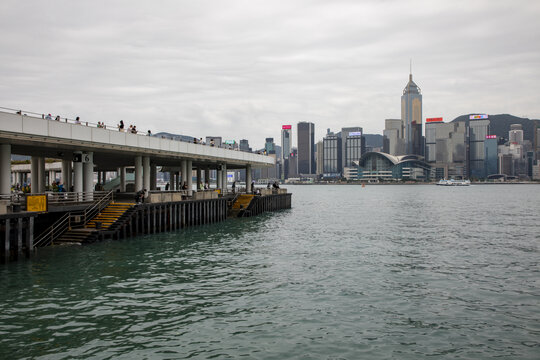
(242, 202)
(109, 215)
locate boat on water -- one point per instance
(452, 182)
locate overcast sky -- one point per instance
(241, 69)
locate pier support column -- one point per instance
(219, 179)
(177, 181)
(66, 174)
(41, 174)
(122, 174)
(5, 169)
(146, 174)
(189, 176)
(207, 175)
(77, 173)
(153, 177)
(172, 180)
(248, 179)
(183, 168)
(103, 177)
(199, 180)
(138, 173)
(88, 173)
(34, 163)
(224, 181)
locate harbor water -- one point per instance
(381, 272)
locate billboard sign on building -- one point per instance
(491, 136)
(229, 142)
(430, 120)
(478, 117)
(286, 127)
(355, 133)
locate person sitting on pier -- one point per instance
(167, 186)
(206, 186)
(275, 185)
(48, 117)
(184, 186)
(57, 118)
(78, 120)
(268, 185)
(234, 187)
(139, 196)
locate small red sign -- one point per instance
(434, 119)
(286, 127)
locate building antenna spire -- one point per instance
(410, 69)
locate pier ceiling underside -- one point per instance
(111, 148)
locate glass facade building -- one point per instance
(332, 155)
(352, 145)
(306, 148)
(478, 130)
(411, 116)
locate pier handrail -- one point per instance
(97, 206)
(65, 222)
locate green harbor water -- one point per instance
(381, 272)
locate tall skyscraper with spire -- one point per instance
(411, 116)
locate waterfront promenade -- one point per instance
(81, 214)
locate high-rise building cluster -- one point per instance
(459, 149)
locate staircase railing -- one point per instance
(72, 219)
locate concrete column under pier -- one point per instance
(122, 174)
(153, 177)
(189, 176)
(5, 169)
(138, 173)
(88, 170)
(66, 174)
(184, 171)
(199, 180)
(77, 173)
(41, 174)
(146, 174)
(224, 181)
(248, 178)
(219, 179)
(207, 175)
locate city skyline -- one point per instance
(247, 68)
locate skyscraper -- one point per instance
(286, 146)
(478, 130)
(353, 145)
(332, 155)
(306, 148)
(411, 116)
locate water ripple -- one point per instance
(402, 272)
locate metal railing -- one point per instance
(112, 127)
(58, 198)
(73, 219)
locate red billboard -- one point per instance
(286, 127)
(434, 119)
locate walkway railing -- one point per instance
(58, 198)
(73, 219)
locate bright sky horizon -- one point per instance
(241, 69)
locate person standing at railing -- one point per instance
(48, 117)
(57, 118)
(78, 120)
(121, 126)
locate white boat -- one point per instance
(452, 182)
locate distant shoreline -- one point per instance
(418, 183)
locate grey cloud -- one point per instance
(241, 69)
